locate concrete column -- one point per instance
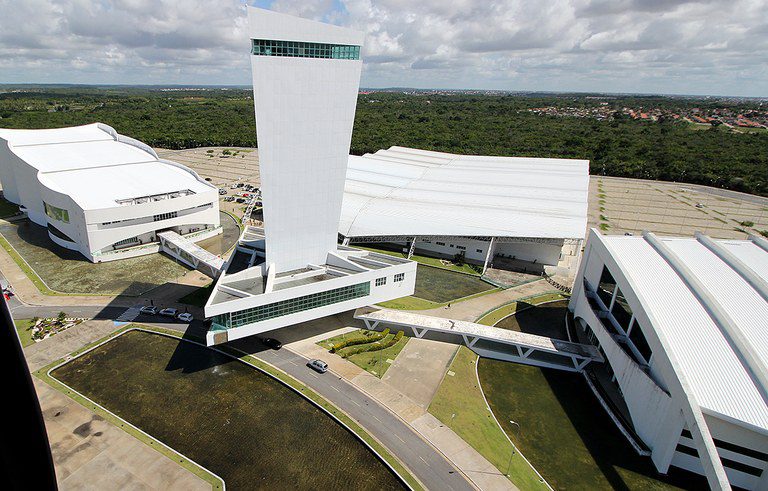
(489, 253)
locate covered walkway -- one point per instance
(487, 341)
(190, 253)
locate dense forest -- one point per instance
(471, 124)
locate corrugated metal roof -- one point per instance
(719, 381)
(405, 191)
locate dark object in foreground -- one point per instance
(272, 343)
(25, 454)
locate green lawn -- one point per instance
(494, 316)
(565, 433)
(25, 333)
(429, 261)
(416, 303)
(440, 285)
(459, 404)
(541, 320)
(7, 208)
(198, 297)
(373, 362)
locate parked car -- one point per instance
(185, 317)
(272, 343)
(240, 184)
(169, 312)
(240, 200)
(233, 186)
(222, 191)
(208, 179)
(318, 365)
(149, 310)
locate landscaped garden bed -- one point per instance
(39, 329)
(372, 351)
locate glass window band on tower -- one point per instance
(300, 49)
(289, 306)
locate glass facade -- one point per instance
(299, 49)
(637, 338)
(290, 306)
(59, 214)
(606, 287)
(399, 277)
(621, 310)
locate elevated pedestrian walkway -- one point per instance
(190, 254)
(487, 341)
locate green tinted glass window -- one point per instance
(300, 49)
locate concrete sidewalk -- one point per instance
(482, 473)
(470, 310)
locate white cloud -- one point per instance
(706, 46)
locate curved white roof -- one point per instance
(97, 167)
(719, 380)
(404, 191)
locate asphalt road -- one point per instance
(428, 464)
(424, 461)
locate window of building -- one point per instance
(381, 281)
(606, 287)
(131, 240)
(621, 310)
(399, 277)
(479, 250)
(440, 243)
(290, 306)
(165, 216)
(452, 245)
(300, 49)
(461, 248)
(56, 213)
(641, 344)
(58, 233)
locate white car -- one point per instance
(149, 310)
(185, 317)
(318, 365)
(169, 312)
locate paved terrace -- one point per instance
(487, 341)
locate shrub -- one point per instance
(747, 223)
(377, 346)
(355, 341)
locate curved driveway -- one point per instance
(423, 460)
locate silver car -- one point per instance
(318, 365)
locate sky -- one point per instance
(707, 47)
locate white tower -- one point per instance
(306, 77)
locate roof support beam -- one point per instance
(729, 258)
(759, 242)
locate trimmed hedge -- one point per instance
(376, 346)
(355, 341)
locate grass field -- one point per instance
(7, 208)
(542, 320)
(373, 362)
(459, 404)
(428, 261)
(565, 433)
(440, 285)
(25, 334)
(494, 316)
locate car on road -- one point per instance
(318, 365)
(149, 310)
(272, 343)
(169, 312)
(185, 317)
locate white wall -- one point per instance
(305, 109)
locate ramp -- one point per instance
(190, 254)
(487, 341)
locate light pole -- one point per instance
(509, 464)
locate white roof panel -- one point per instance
(95, 169)
(416, 192)
(718, 380)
